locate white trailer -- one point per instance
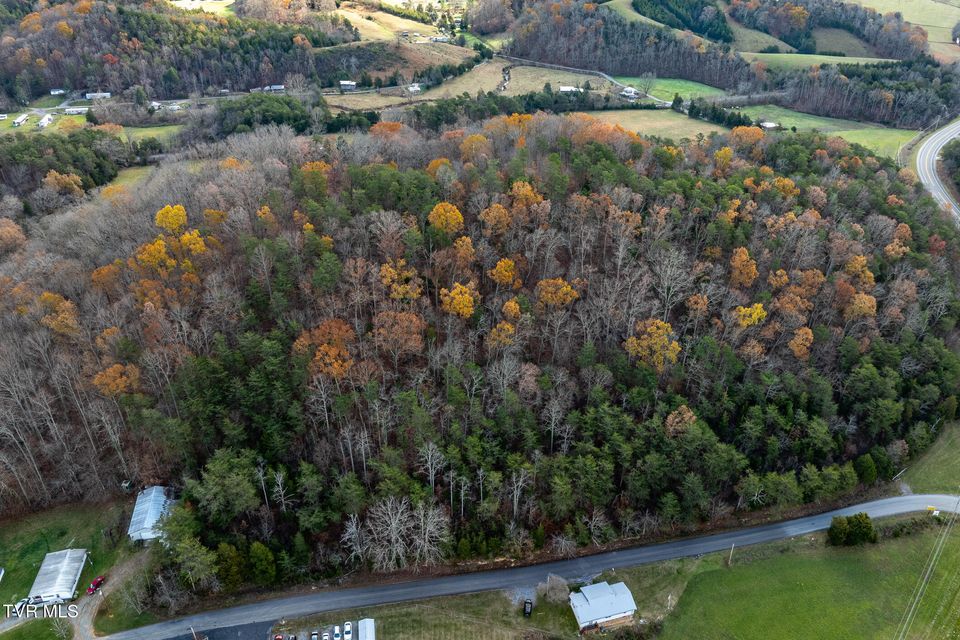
(21, 119)
(366, 630)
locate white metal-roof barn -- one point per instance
(603, 606)
(152, 505)
(58, 576)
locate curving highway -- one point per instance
(927, 156)
(243, 617)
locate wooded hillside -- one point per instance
(538, 331)
(94, 45)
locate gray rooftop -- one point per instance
(59, 574)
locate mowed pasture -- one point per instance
(667, 88)
(216, 7)
(936, 16)
(662, 123)
(842, 41)
(530, 79)
(380, 25)
(805, 60)
(883, 141)
(812, 591)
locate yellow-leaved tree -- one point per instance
(460, 300)
(653, 344)
(446, 217)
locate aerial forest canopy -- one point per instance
(106, 46)
(538, 331)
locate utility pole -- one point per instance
(730, 558)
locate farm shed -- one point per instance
(603, 606)
(58, 576)
(152, 504)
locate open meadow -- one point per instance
(216, 7)
(842, 41)
(667, 88)
(662, 123)
(881, 140)
(804, 60)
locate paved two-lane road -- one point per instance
(303, 605)
(927, 156)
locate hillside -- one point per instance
(500, 346)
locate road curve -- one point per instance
(927, 156)
(303, 605)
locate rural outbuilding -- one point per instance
(366, 629)
(152, 504)
(58, 576)
(603, 606)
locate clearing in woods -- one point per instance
(662, 123)
(804, 60)
(842, 41)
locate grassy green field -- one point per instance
(35, 630)
(804, 60)
(823, 592)
(843, 41)
(24, 541)
(162, 133)
(47, 102)
(936, 16)
(131, 176)
(881, 140)
(666, 88)
(937, 469)
(217, 7)
(661, 122)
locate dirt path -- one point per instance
(89, 605)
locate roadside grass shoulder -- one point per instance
(481, 616)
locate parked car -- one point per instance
(95, 585)
(326, 636)
(315, 635)
(527, 607)
(347, 630)
(336, 633)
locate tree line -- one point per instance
(794, 22)
(702, 17)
